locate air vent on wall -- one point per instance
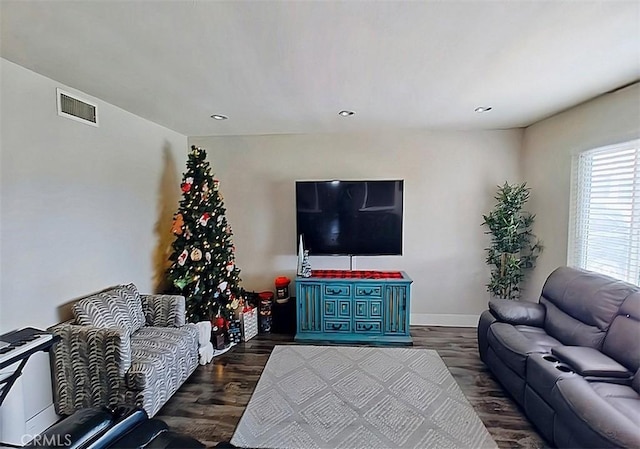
(71, 106)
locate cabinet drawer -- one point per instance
(337, 326)
(371, 326)
(340, 308)
(337, 290)
(368, 291)
(368, 309)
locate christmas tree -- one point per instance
(203, 265)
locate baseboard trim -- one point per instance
(449, 320)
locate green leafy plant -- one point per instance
(514, 248)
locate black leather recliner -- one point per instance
(122, 428)
(572, 360)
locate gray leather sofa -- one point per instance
(572, 360)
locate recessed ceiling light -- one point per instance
(481, 109)
(219, 117)
(345, 113)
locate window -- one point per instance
(604, 234)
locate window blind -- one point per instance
(604, 232)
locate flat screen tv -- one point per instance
(356, 218)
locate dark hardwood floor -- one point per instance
(209, 405)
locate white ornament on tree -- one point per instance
(182, 258)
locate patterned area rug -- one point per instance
(358, 397)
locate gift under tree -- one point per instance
(203, 265)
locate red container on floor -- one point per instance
(266, 302)
(282, 289)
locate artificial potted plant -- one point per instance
(514, 248)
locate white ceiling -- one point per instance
(290, 66)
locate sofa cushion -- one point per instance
(151, 366)
(622, 342)
(513, 344)
(162, 359)
(569, 330)
(132, 298)
(581, 305)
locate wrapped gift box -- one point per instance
(234, 332)
(249, 322)
(217, 338)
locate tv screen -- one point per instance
(350, 217)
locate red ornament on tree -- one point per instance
(204, 219)
(186, 186)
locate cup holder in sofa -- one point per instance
(563, 368)
(557, 364)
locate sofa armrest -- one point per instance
(591, 363)
(75, 431)
(164, 310)
(518, 312)
(577, 405)
(92, 427)
(88, 366)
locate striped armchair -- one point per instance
(123, 347)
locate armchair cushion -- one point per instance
(118, 306)
(163, 358)
(518, 312)
(164, 310)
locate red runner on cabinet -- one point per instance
(356, 274)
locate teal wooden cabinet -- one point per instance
(354, 310)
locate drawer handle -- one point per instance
(336, 327)
(367, 327)
(367, 292)
(332, 291)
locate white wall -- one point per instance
(80, 205)
(546, 165)
(450, 180)
(81, 208)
